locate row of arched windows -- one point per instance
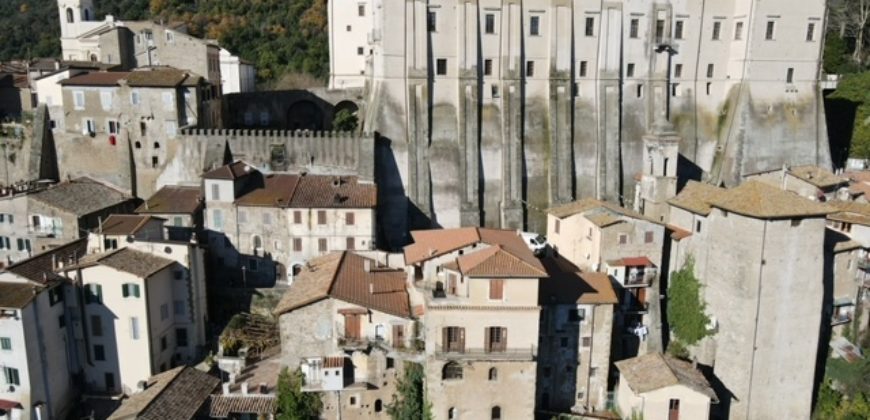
(453, 370)
(70, 15)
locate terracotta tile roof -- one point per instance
(125, 224)
(333, 362)
(605, 212)
(603, 220)
(277, 191)
(81, 196)
(850, 212)
(175, 394)
(173, 199)
(323, 191)
(696, 197)
(565, 284)
(858, 176)
(819, 177)
(97, 78)
(40, 267)
(495, 261)
(678, 233)
(138, 263)
(631, 262)
(436, 242)
(654, 371)
(231, 171)
(343, 276)
(17, 295)
(222, 406)
(162, 77)
(759, 200)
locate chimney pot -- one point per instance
(226, 388)
(244, 388)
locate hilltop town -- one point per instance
(487, 210)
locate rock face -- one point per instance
(492, 111)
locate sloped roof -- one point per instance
(126, 224)
(173, 199)
(819, 177)
(222, 406)
(40, 267)
(343, 276)
(696, 197)
(162, 77)
(277, 191)
(175, 394)
(81, 196)
(850, 212)
(17, 295)
(495, 261)
(565, 284)
(759, 200)
(436, 242)
(654, 371)
(601, 218)
(138, 263)
(96, 78)
(326, 191)
(230, 171)
(631, 262)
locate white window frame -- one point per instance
(106, 99)
(135, 97)
(79, 99)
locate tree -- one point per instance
(293, 404)
(410, 403)
(345, 121)
(685, 307)
(849, 18)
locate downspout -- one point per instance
(41, 347)
(757, 311)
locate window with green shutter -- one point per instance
(5, 343)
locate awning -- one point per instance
(9, 405)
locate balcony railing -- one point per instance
(520, 354)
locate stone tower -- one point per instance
(72, 14)
(658, 181)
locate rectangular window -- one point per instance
(738, 31)
(360, 50)
(99, 352)
(583, 66)
(556, 227)
(135, 98)
(623, 239)
(795, 222)
(267, 219)
(218, 218)
(678, 71)
(489, 23)
(178, 307)
(94, 293)
(110, 381)
(350, 218)
(55, 295)
(96, 326)
(487, 67)
(129, 289)
(453, 339)
(297, 244)
(134, 328)
(496, 289)
(297, 217)
(178, 221)
(163, 345)
(530, 68)
(710, 71)
(789, 75)
(587, 341)
(648, 237)
(674, 409)
(88, 126)
(431, 21)
(769, 33)
(181, 337)
(361, 10)
(253, 264)
(112, 127)
(494, 90)
(164, 311)
(215, 192)
(441, 66)
(143, 128)
(535, 25)
(590, 26)
(640, 90)
(321, 217)
(717, 30)
(350, 244)
(321, 244)
(496, 339)
(811, 32)
(61, 321)
(629, 70)
(5, 343)
(11, 375)
(660, 30)
(632, 31)
(678, 29)
(106, 99)
(79, 99)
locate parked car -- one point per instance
(536, 242)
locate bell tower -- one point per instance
(72, 13)
(658, 183)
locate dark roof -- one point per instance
(174, 394)
(17, 295)
(173, 199)
(138, 263)
(162, 77)
(97, 78)
(81, 196)
(222, 406)
(40, 267)
(125, 224)
(230, 171)
(311, 191)
(565, 284)
(277, 191)
(343, 276)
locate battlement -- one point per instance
(288, 134)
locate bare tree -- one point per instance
(850, 18)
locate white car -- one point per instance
(536, 242)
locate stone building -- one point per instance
(345, 321)
(482, 319)
(181, 206)
(660, 387)
(16, 241)
(763, 290)
(807, 181)
(182, 392)
(494, 109)
(846, 252)
(575, 339)
(282, 220)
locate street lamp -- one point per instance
(667, 48)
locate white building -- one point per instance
(237, 75)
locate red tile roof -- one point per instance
(173, 199)
(311, 191)
(494, 261)
(40, 267)
(631, 262)
(333, 362)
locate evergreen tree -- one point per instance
(410, 403)
(685, 306)
(293, 404)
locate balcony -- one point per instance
(639, 278)
(510, 354)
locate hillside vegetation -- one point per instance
(279, 36)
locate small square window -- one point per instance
(629, 70)
(530, 68)
(441, 66)
(535, 25)
(583, 66)
(360, 51)
(487, 67)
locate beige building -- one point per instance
(774, 265)
(577, 316)
(847, 250)
(482, 320)
(345, 321)
(660, 387)
(271, 224)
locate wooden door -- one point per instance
(451, 284)
(352, 326)
(398, 336)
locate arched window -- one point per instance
(69, 15)
(94, 58)
(452, 370)
(156, 145)
(451, 413)
(496, 413)
(378, 406)
(493, 374)
(87, 15)
(138, 145)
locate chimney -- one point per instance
(367, 265)
(244, 388)
(226, 388)
(141, 386)
(371, 288)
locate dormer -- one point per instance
(229, 182)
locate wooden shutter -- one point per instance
(349, 218)
(503, 339)
(445, 334)
(487, 339)
(321, 217)
(461, 339)
(398, 336)
(297, 217)
(451, 284)
(351, 326)
(496, 289)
